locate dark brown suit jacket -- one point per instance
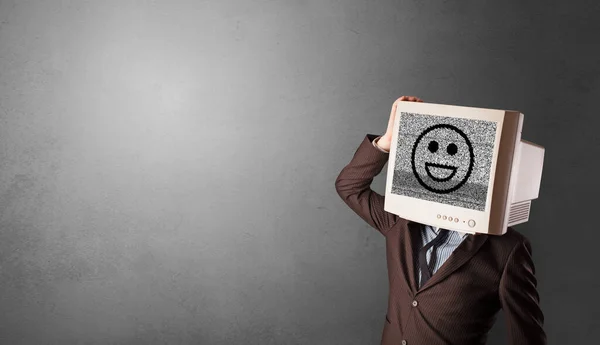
(459, 304)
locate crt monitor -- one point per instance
(461, 168)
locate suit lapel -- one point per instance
(412, 241)
(459, 257)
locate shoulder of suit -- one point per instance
(510, 239)
(504, 245)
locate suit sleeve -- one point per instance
(520, 300)
(353, 185)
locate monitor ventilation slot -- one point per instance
(519, 213)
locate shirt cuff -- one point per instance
(377, 146)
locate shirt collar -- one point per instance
(437, 231)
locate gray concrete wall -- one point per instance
(167, 167)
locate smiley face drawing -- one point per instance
(442, 158)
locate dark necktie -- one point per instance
(426, 269)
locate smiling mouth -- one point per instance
(440, 169)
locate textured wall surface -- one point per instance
(167, 167)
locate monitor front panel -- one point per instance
(442, 165)
(444, 159)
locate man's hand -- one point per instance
(386, 140)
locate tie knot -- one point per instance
(441, 237)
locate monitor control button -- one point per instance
(445, 217)
(439, 216)
(450, 218)
(471, 223)
(456, 220)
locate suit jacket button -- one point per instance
(415, 303)
(403, 342)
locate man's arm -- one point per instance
(375, 143)
(520, 299)
(354, 185)
(354, 181)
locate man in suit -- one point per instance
(445, 287)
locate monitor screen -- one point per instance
(444, 159)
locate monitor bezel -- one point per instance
(432, 213)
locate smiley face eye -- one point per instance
(452, 149)
(433, 146)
